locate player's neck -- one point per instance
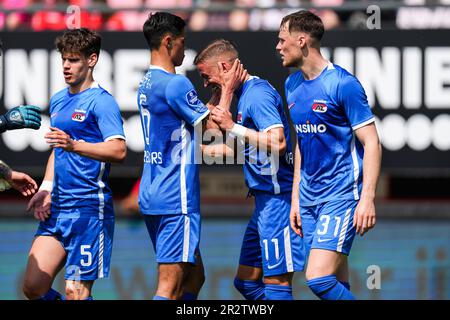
(86, 84)
(163, 62)
(313, 66)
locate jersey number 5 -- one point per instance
(85, 252)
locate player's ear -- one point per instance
(167, 42)
(301, 39)
(92, 60)
(224, 65)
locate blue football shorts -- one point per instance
(329, 225)
(269, 242)
(87, 242)
(175, 237)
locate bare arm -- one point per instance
(50, 168)
(41, 201)
(114, 150)
(365, 216)
(217, 150)
(295, 219)
(18, 180)
(272, 140)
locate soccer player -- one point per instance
(270, 251)
(18, 118)
(332, 196)
(74, 202)
(169, 192)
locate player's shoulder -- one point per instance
(179, 86)
(293, 80)
(101, 96)
(260, 85)
(58, 96)
(341, 74)
(179, 81)
(338, 80)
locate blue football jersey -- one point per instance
(325, 112)
(260, 108)
(170, 109)
(80, 185)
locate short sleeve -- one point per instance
(184, 101)
(108, 117)
(264, 111)
(354, 100)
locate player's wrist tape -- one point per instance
(46, 185)
(238, 131)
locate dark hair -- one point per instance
(305, 21)
(215, 48)
(159, 24)
(83, 41)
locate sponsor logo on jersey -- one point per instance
(192, 98)
(78, 116)
(319, 107)
(310, 128)
(291, 105)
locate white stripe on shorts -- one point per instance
(343, 230)
(287, 250)
(100, 255)
(183, 168)
(187, 232)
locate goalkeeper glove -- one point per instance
(21, 117)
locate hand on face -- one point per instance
(231, 79)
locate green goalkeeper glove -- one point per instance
(21, 117)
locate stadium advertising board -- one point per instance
(406, 75)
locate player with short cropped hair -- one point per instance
(169, 193)
(74, 203)
(270, 252)
(332, 196)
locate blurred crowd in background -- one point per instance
(215, 15)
